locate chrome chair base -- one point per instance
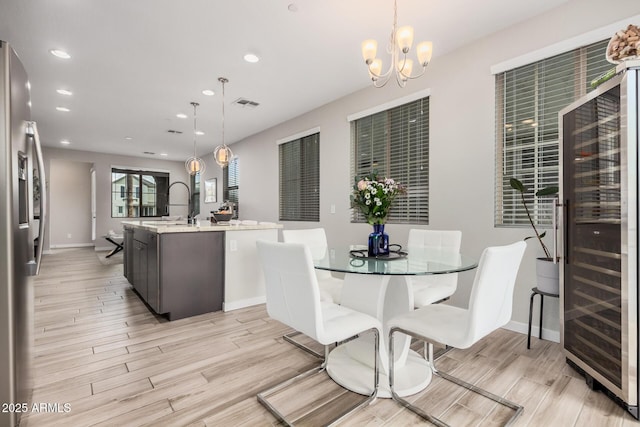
(289, 338)
(262, 396)
(432, 419)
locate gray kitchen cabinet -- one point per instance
(128, 254)
(177, 274)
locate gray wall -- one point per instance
(70, 203)
(462, 144)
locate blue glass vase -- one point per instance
(378, 241)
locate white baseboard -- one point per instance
(547, 334)
(72, 245)
(235, 305)
(104, 248)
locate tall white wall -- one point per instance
(70, 203)
(462, 146)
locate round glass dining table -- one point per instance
(382, 287)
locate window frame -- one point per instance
(406, 154)
(542, 150)
(231, 185)
(135, 192)
(304, 182)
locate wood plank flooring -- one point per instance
(101, 351)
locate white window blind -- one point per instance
(528, 100)
(300, 179)
(395, 144)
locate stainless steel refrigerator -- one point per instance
(599, 229)
(20, 205)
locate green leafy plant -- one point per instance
(547, 191)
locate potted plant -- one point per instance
(547, 271)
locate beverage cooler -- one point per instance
(598, 245)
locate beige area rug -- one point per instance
(115, 259)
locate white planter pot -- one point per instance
(548, 275)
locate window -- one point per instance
(230, 184)
(528, 100)
(395, 144)
(195, 193)
(138, 193)
(299, 161)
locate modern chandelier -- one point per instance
(223, 154)
(195, 164)
(399, 46)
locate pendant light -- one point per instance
(223, 154)
(195, 164)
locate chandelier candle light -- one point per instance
(399, 46)
(373, 196)
(223, 153)
(194, 164)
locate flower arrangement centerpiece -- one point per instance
(373, 196)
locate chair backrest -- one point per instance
(315, 239)
(439, 243)
(293, 297)
(491, 299)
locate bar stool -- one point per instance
(535, 291)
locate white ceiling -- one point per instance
(137, 63)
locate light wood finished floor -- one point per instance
(99, 349)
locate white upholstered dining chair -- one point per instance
(490, 306)
(330, 287)
(316, 240)
(293, 298)
(429, 289)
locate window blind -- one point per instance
(299, 184)
(230, 187)
(528, 100)
(194, 181)
(395, 144)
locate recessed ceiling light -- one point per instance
(65, 142)
(164, 154)
(28, 85)
(128, 138)
(199, 132)
(208, 92)
(60, 53)
(251, 57)
(64, 92)
(181, 115)
(63, 109)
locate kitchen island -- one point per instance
(183, 270)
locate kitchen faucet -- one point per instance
(190, 215)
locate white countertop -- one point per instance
(182, 227)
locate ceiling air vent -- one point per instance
(149, 152)
(245, 103)
(175, 131)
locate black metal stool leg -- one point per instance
(541, 302)
(533, 294)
